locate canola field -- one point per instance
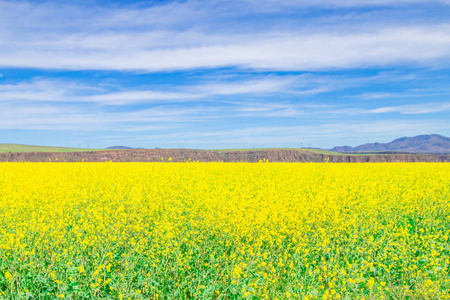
(224, 231)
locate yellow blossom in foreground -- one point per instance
(224, 231)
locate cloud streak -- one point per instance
(292, 136)
(175, 36)
(319, 51)
(414, 109)
(47, 90)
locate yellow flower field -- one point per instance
(224, 231)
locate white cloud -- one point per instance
(40, 89)
(201, 126)
(408, 109)
(415, 93)
(45, 117)
(318, 135)
(395, 46)
(373, 96)
(414, 109)
(339, 3)
(66, 91)
(180, 36)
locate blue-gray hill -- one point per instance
(432, 143)
(119, 147)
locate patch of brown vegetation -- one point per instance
(182, 155)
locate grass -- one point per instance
(32, 148)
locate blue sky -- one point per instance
(223, 74)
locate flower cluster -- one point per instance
(224, 231)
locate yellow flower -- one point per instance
(8, 275)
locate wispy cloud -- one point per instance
(44, 117)
(293, 136)
(47, 90)
(340, 3)
(405, 94)
(174, 37)
(318, 51)
(414, 109)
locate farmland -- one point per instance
(183, 155)
(224, 231)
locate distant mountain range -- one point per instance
(433, 143)
(430, 143)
